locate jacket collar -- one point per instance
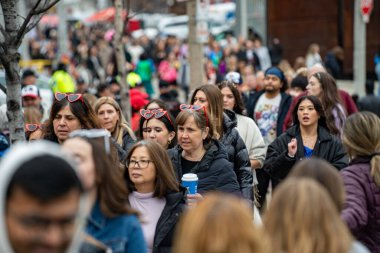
(323, 134)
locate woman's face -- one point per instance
(200, 99)
(190, 136)
(306, 113)
(228, 98)
(155, 130)
(64, 123)
(36, 135)
(314, 87)
(81, 150)
(143, 173)
(108, 117)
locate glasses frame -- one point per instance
(129, 161)
(37, 126)
(156, 113)
(59, 96)
(94, 133)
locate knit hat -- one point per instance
(276, 72)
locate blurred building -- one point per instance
(329, 23)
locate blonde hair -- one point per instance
(32, 115)
(219, 224)
(361, 137)
(121, 124)
(302, 218)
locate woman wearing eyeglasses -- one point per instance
(223, 123)
(155, 193)
(69, 112)
(199, 153)
(110, 117)
(159, 126)
(110, 220)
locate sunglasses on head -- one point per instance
(156, 113)
(94, 133)
(70, 97)
(194, 108)
(34, 127)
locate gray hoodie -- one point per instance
(18, 155)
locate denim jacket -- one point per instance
(122, 233)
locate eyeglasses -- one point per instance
(94, 133)
(34, 127)
(142, 164)
(194, 108)
(70, 97)
(156, 113)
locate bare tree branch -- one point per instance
(21, 31)
(33, 23)
(4, 33)
(25, 27)
(45, 8)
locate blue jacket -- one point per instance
(122, 233)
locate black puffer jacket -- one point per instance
(175, 205)
(128, 142)
(214, 171)
(237, 154)
(278, 164)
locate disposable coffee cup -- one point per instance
(190, 182)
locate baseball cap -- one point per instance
(30, 91)
(234, 77)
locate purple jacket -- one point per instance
(362, 206)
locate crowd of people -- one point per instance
(89, 180)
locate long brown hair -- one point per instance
(81, 109)
(361, 137)
(112, 191)
(239, 104)
(296, 223)
(165, 177)
(330, 99)
(219, 224)
(215, 107)
(325, 174)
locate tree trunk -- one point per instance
(120, 60)
(13, 34)
(14, 107)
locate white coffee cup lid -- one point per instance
(189, 177)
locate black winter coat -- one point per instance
(278, 164)
(175, 206)
(214, 171)
(128, 142)
(285, 103)
(237, 154)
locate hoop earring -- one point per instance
(169, 141)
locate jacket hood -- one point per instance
(229, 121)
(18, 155)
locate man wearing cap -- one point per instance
(31, 98)
(268, 108)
